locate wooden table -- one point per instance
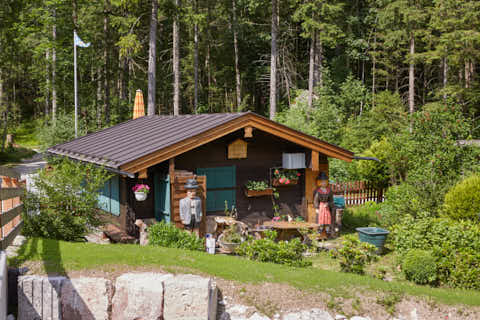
(288, 230)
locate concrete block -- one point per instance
(139, 295)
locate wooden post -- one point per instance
(314, 164)
(310, 176)
(171, 174)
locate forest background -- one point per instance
(350, 72)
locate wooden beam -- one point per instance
(9, 215)
(310, 186)
(6, 241)
(314, 162)
(248, 132)
(5, 171)
(143, 174)
(8, 193)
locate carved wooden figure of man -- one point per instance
(191, 206)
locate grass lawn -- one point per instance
(62, 257)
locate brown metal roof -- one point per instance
(133, 139)
(144, 137)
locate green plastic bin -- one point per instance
(373, 235)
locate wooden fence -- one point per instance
(10, 206)
(358, 192)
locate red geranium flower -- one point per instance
(288, 181)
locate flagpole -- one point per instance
(75, 81)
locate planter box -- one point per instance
(373, 235)
(276, 183)
(258, 193)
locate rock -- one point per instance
(190, 297)
(139, 295)
(225, 316)
(340, 317)
(413, 314)
(10, 317)
(258, 316)
(19, 241)
(86, 298)
(237, 310)
(313, 314)
(38, 297)
(359, 318)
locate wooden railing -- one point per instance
(358, 192)
(10, 206)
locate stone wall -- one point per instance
(131, 296)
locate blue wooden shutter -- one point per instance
(104, 197)
(114, 196)
(162, 197)
(221, 183)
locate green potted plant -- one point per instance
(285, 177)
(230, 239)
(258, 188)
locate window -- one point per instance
(221, 183)
(109, 197)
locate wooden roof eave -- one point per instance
(229, 127)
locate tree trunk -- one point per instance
(176, 59)
(106, 58)
(411, 77)
(374, 62)
(311, 71)
(235, 46)
(195, 60)
(99, 98)
(152, 59)
(4, 112)
(54, 73)
(273, 63)
(318, 62)
(47, 85)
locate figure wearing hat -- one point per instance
(191, 206)
(323, 202)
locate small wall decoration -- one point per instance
(237, 149)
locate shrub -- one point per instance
(354, 255)
(64, 205)
(267, 250)
(167, 235)
(455, 245)
(420, 267)
(362, 216)
(400, 200)
(463, 200)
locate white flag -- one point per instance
(78, 42)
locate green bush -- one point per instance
(167, 235)
(366, 215)
(354, 255)
(400, 200)
(420, 267)
(64, 205)
(463, 200)
(455, 245)
(281, 252)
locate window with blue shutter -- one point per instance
(109, 196)
(221, 187)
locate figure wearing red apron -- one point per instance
(323, 202)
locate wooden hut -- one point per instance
(224, 151)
